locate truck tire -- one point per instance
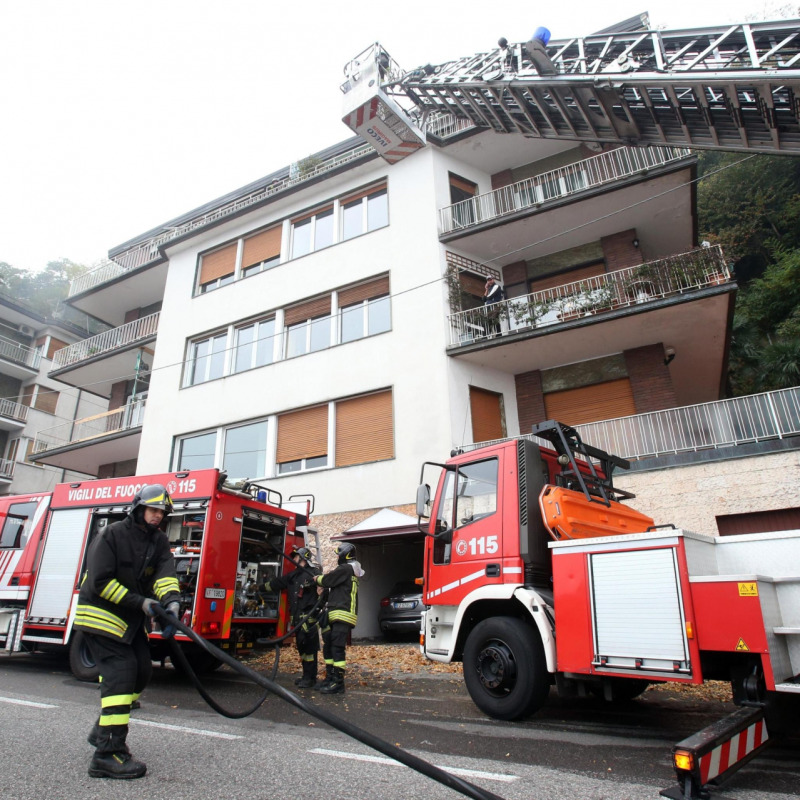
(505, 669)
(81, 661)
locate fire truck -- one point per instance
(226, 541)
(537, 574)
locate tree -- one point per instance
(42, 291)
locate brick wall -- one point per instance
(619, 252)
(530, 400)
(500, 179)
(650, 379)
(515, 273)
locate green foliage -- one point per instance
(41, 291)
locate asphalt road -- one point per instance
(582, 748)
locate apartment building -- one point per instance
(32, 401)
(323, 329)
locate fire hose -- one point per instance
(392, 751)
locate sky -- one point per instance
(117, 116)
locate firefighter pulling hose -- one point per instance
(419, 765)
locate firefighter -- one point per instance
(129, 568)
(342, 614)
(299, 585)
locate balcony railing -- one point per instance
(622, 288)
(148, 251)
(572, 179)
(116, 339)
(6, 469)
(12, 410)
(705, 426)
(19, 354)
(121, 419)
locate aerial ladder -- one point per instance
(734, 87)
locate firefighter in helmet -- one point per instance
(129, 568)
(299, 586)
(342, 614)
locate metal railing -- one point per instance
(6, 468)
(12, 410)
(445, 125)
(705, 426)
(589, 173)
(623, 288)
(722, 423)
(18, 353)
(121, 419)
(148, 251)
(125, 335)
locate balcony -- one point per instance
(543, 190)
(718, 425)
(705, 426)
(621, 289)
(17, 360)
(6, 470)
(101, 360)
(86, 444)
(13, 416)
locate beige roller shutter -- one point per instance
(318, 307)
(364, 429)
(591, 403)
(372, 189)
(487, 415)
(302, 434)
(364, 291)
(218, 264)
(464, 185)
(46, 400)
(262, 247)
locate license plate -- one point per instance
(215, 594)
(404, 605)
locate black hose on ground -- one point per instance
(392, 751)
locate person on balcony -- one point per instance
(492, 294)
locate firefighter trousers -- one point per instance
(125, 670)
(334, 644)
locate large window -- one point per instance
(312, 232)
(217, 268)
(364, 429)
(40, 398)
(365, 309)
(302, 440)
(308, 326)
(245, 451)
(254, 345)
(366, 211)
(207, 359)
(197, 452)
(261, 251)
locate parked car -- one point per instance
(401, 609)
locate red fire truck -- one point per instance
(226, 542)
(536, 575)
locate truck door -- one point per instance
(468, 554)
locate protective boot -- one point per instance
(309, 678)
(336, 686)
(328, 677)
(112, 759)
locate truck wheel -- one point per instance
(505, 669)
(81, 661)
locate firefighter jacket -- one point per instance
(343, 598)
(300, 589)
(125, 564)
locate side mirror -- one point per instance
(423, 500)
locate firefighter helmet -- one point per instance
(304, 553)
(152, 496)
(346, 552)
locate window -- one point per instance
(40, 398)
(17, 527)
(363, 310)
(462, 190)
(302, 440)
(197, 452)
(13, 449)
(217, 268)
(254, 345)
(312, 232)
(364, 429)
(245, 452)
(308, 326)
(207, 359)
(365, 212)
(488, 421)
(262, 251)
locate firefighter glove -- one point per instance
(149, 606)
(173, 609)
